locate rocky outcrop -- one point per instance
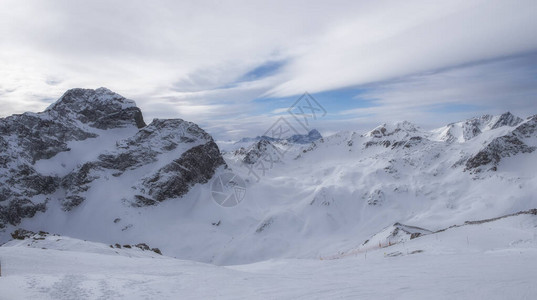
(196, 165)
(504, 146)
(262, 149)
(398, 135)
(500, 147)
(506, 119)
(527, 129)
(374, 198)
(18, 208)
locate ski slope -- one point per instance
(494, 260)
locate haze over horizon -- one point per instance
(235, 68)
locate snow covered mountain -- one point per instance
(466, 130)
(94, 144)
(353, 185)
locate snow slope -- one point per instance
(493, 260)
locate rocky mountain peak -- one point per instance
(506, 119)
(42, 159)
(391, 129)
(311, 136)
(100, 108)
(469, 129)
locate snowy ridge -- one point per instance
(466, 130)
(400, 234)
(47, 241)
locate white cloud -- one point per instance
(411, 37)
(183, 58)
(440, 97)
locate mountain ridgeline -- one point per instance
(89, 167)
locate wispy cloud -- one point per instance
(208, 61)
(435, 97)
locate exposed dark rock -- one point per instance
(100, 108)
(197, 165)
(259, 150)
(413, 141)
(266, 224)
(143, 246)
(19, 208)
(22, 234)
(504, 146)
(29, 137)
(72, 201)
(39, 136)
(506, 119)
(527, 129)
(400, 135)
(374, 198)
(141, 201)
(384, 130)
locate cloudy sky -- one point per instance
(234, 66)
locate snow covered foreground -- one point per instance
(492, 260)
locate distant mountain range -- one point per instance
(311, 136)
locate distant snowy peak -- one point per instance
(256, 139)
(404, 128)
(261, 149)
(469, 129)
(505, 119)
(519, 140)
(401, 134)
(311, 136)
